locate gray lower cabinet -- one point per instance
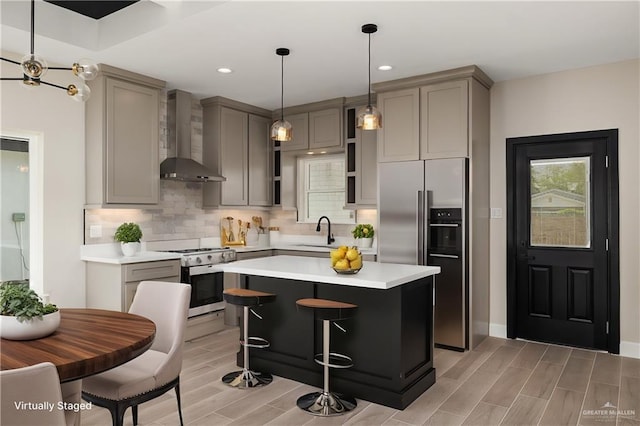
(122, 134)
(236, 143)
(112, 286)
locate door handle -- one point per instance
(448, 256)
(420, 260)
(444, 225)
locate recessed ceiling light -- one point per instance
(385, 67)
(224, 70)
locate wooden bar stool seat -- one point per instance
(328, 403)
(246, 378)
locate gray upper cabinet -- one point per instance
(122, 139)
(300, 130)
(259, 161)
(444, 120)
(361, 163)
(399, 138)
(236, 143)
(427, 117)
(316, 126)
(234, 149)
(325, 129)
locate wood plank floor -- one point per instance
(508, 382)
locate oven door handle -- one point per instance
(444, 225)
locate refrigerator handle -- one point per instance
(421, 257)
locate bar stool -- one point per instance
(327, 403)
(248, 298)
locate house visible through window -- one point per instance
(321, 189)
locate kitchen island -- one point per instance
(390, 338)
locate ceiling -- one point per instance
(184, 42)
(93, 9)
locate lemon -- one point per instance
(336, 255)
(352, 253)
(356, 263)
(342, 264)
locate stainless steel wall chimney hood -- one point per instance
(181, 166)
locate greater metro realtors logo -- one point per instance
(609, 410)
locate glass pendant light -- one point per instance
(369, 118)
(281, 130)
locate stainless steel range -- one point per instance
(207, 283)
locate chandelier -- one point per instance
(35, 67)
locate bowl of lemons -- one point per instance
(346, 260)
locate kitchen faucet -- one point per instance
(330, 238)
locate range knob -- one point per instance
(198, 260)
(210, 257)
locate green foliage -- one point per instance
(128, 233)
(566, 177)
(18, 300)
(363, 231)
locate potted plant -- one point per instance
(23, 315)
(363, 233)
(129, 235)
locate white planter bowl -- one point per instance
(130, 249)
(364, 242)
(34, 328)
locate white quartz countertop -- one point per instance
(372, 275)
(111, 253)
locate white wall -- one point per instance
(56, 123)
(601, 97)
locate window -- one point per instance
(560, 202)
(321, 189)
(14, 208)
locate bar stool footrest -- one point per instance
(335, 360)
(255, 342)
(326, 404)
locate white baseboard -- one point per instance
(630, 349)
(498, 330)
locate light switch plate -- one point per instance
(18, 217)
(496, 213)
(95, 231)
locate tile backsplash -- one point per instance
(179, 215)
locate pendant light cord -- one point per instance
(282, 87)
(33, 20)
(369, 99)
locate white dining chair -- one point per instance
(37, 384)
(157, 370)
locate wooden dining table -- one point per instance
(87, 342)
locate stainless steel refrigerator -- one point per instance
(423, 220)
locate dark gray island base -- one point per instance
(390, 337)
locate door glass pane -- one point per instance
(560, 202)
